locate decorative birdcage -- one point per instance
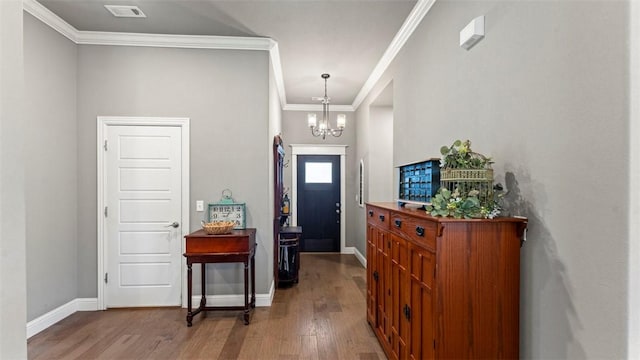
(466, 171)
(467, 180)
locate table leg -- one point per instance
(297, 260)
(189, 277)
(203, 299)
(246, 292)
(253, 281)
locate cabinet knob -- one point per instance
(398, 222)
(370, 212)
(419, 231)
(381, 217)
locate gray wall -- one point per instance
(50, 62)
(375, 146)
(13, 336)
(275, 128)
(225, 94)
(634, 194)
(546, 95)
(296, 131)
(380, 179)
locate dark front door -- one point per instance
(319, 202)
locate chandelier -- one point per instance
(323, 128)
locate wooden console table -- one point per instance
(238, 246)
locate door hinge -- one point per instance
(106, 147)
(106, 211)
(106, 278)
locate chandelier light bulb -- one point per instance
(312, 120)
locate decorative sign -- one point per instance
(228, 210)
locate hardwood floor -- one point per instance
(321, 317)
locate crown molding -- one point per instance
(274, 54)
(45, 15)
(418, 12)
(174, 41)
(316, 107)
(48, 17)
(135, 39)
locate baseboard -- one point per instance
(348, 250)
(360, 257)
(262, 300)
(272, 292)
(41, 323)
(354, 250)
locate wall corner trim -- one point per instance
(354, 250)
(418, 12)
(48, 17)
(360, 257)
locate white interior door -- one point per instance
(143, 199)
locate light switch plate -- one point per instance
(199, 205)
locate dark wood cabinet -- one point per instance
(278, 193)
(441, 287)
(372, 277)
(399, 296)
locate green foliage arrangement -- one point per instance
(459, 155)
(462, 206)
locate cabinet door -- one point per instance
(384, 284)
(372, 277)
(420, 315)
(399, 297)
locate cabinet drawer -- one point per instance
(378, 217)
(420, 231)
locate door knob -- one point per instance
(174, 225)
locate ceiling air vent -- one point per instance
(125, 11)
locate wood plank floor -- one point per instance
(321, 317)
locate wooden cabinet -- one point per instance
(278, 193)
(440, 287)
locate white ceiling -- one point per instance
(345, 38)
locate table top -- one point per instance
(232, 234)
